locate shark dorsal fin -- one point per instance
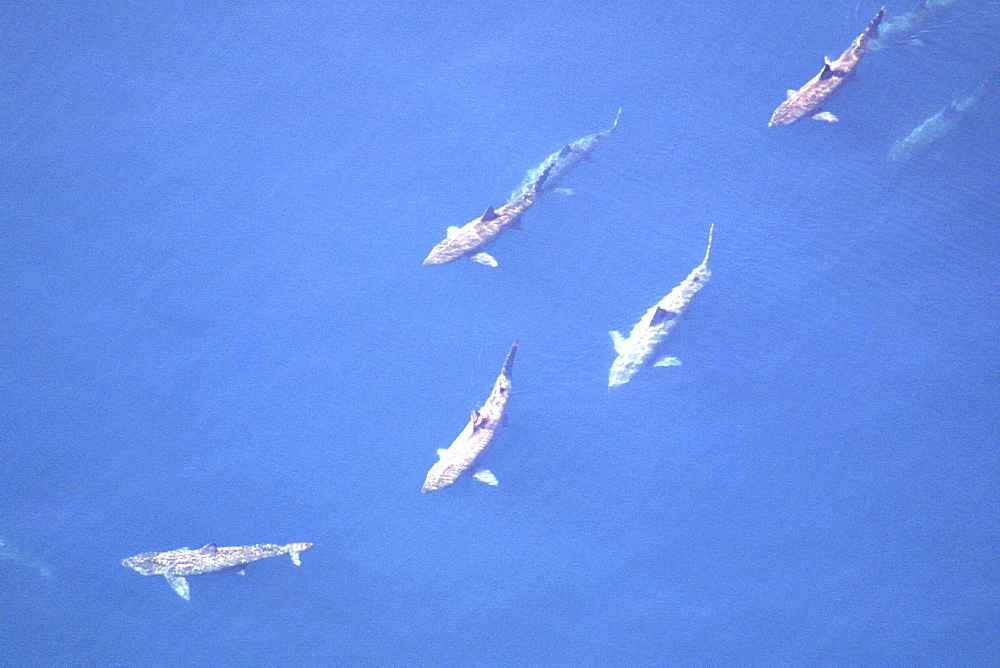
(827, 72)
(474, 419)
(790, 93)
(659, 317)
(211, 548)
(488, 215)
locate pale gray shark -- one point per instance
(815, 93)
(933, 129)
(465, 453)
(469, 240)
(640, 347)
(176, 564)
(557, 165)
(907, 28)
(13, 554)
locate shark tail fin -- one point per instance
(872, 30)
(294, 549)
(509, 362)
(709, 249)
(615, 124)
(542, 178)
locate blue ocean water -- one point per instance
(216, 327)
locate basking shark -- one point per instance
(11, 553)
(906, 28)
(812, 96)
(557, 165)
(469, 240)
(938, 126)
(174, 565)
(465, 453)
(640, 347)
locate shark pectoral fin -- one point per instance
(486, 476)
(452, 231)
(619, 341)
(790, 93)
(295, 557)
(484, 258)
(180, 585)
(488, 215)
(667, 361)
(825, 116)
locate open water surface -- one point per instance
(216, 327)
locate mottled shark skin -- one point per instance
(468, 240)
(640, 347)
(812, 96)
(176, 564)
(906, 28)
(557, 165)
(465, 453)
(938, 126)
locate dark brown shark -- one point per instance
(175, 564)
(811, 97)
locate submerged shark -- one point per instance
(11, 553)
(469, 240)
(174, 565)
(465, 453)
(925, 135)
(812, 96)
(562, 161)
(906, 28)
(640, 347)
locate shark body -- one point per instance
(11, 553)
(176, 564)
(469, 240)
(640, 347)
(906, 28)
(815, 93)
(938, 126)
(557, 165)
(465, 453)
